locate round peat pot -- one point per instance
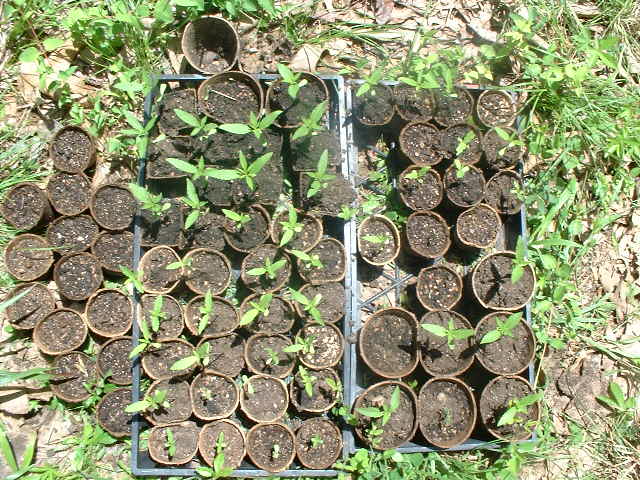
(111, 414)
(496, 108)
(446, 412)
(323, 455)
(69, 193)
(496, 399)
(464, 191)
(264, 440)
(25, 313)
(328, 346)
(310, 233)
(421, 142)
(78, 276)
(492, 285)
(374, 108)
(113, 207)
(478, 227)
(279, 318)
(413, 105)
(322, 398)
(332, 301)
(207, 232)
(453, 109)
(178, 395)
(500, 192)
(114, 250)
(113, 360)
(310, 95)
(72, 234)
(171, 318)
(427, 234)
(264, 355)
(62, 331)
(185, 441)
(210, 44)
(502, 153)
(401, 426)
(222, 319)
(388, 342)
(109, 313)
(508, 354)
(214, 396)
(439, 288)
(455, 134)
(229, 354)
(420, 188)
(72, 149)
(71, 372)
(28, 257)
(26, 206)
(208, 271)
(156, 276)
(332, 255)
(172, 126)
(438, 356)
(234, 439)
(157, 362)
(256, 260)
(230, 97)
(251, 234)
(378, 240)
(264, 398)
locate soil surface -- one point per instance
(172, 322)
(423, 193)
(438, 288)
(377, 252)
(163, 230)
(24, 206)
(478, 227)
(332, 256)
(428, 234)
(453, 109)
(182, 99)
(252, 233)
(213, 396)
(207, 232)
(72, 234)
(421, 143)
(259, 359)
(114, 207)
(437, 357)
(69, 193)
(494, 402)
(500, 193)
(493, 283)
(179, 147)
(114, 250)
(307, 238)
(261, 441)
(498, 153)
(269, 399)
(114, 358)
(452, 137)
(71, 372)
(257, 259)
(30, 309)
(466, 191)
(110, 312)
(78, 276)
(306, 151)
(223, 318)
(209, 271)
(157, 362)
(28, 257)
(323, 397)
(221, 149)
(267, 185)
(179, 398)
(323, 455)
(332, 303)
(155, 276)
(508, 355)
(279, 318)
(414, 105)
(111, 412)
(60, 331)
(329, 200)
(376, 107)
(294, 110)
(216, 192)
(234, 450)
(496, 109)
(327, 345)
(71, 150)
(226, 354)
(185, 436)
(230, 101)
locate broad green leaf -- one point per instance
(490, 337)
(137, 350)
(184, 363)
(512, 321)
(256, 166)
(28, 55)
(616, 393)
(249, 317)
(364, 88)
(137, 406)
(51, 43)
(269, 118)
(221, 174)
(323, 162)
(293, 348)
(237, 128)
(187, 117)
(508, 417)
(435, 329)
(133, 121)
(174, 266)
(371, 412)
(394, 402)
(462, 333)
(257, 271)
(503, 134)
(298, 297)
(191, 219)
(285, 73)
(182, 165)
(516, 273)
(287, 235)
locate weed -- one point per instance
(6, 449)
(516, 407)
(519, 262)
(370, 81)
(347, 212)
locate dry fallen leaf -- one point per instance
(384, 10)
(306, 59)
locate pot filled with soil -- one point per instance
(326, 346)
(503, 148)
(230, 97)
(331, 306)
(69, 194)
(113, 207)
(506, 343)
(157, 362)
(163, 312)
(25, 206)
(111, 415)
(388, 342)
(169, 122)
(25, 313)
(326, 263)
(413, 105)
(210, 44)
(296, 108)
(315, 391)
(109, 313)
(249, 232)
(72, 149)
(400, 405)
(156, 277)
(28, 257)
(496, 108)
(78, 275)
(164, 228)
(159, 151)
(72, 234)
(174, 444)
(226, 354)
(71, 372)
(378, 240)
(330, 199)
(264, 398)
(445, 343)
(439, 288)
(113, 360)
(271, 446)
(478, 227)
(207, 270)
(266, 354)
(447, 412)
(233, 438)
(509, 408)
(207, 315)
(318, 443)
(114, 250)
(427, 234)
(207, 232)
(266, 314)
(421, 142)
(501, 192)
(464, 186)
(464, 142)
(265, 269)
(296, 230)
(62, 331)
(493, 282)
(453, 108)
(176, 405)
(420, 188)
(375, 107)
(306, 152)
(214, 396)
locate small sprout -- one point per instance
(186, 263)
(511, 139)
(238, 219)
(463, 143)
(461, 168)
(255, 126)
(248, 171)
(200, 357)
(145, 342)
(197, 206)
(370, 81)
(347, 213)
(519, 262)
(218, 470)
(294, 80)
(290, 227)
(205, 312)
(134, 278)
(220, 443)
(451, 333)
(270, 268)
(311, 124)
(309, 306)
(206, 394)
(275, 452)
(199, 125)
(304, 345)
(245, 381)
(150, 403)
(518, 406)
(381, 239)
(307, 380)
(170, 443)
(316, 441)
(334, 385)
(156, 314)
(320, 179)
(380, 416)
(310, 261)
(502, 328)
(274, 358)
(418, 174)
(153, 203)
(260, 308)
(446, 416)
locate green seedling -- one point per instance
(519, 262)
(133, 278)
(464, 142)
(309, 306)
(347, 212)
(461, 168)
(245, 381)
(206, 394)
(517, 407)
(294, 80)
(150, 403)
(275, 452)
(370, 82)
(446, 416)
(310, 261)
(617, 401)
(139, 131)
(273, 357)
(304, 345)
(334, 385)
(345, 412)
(205, 312)
(185, 263)
(156, 315)
(307, 380)
(316, 441)
(148, 201)
(311, 124)
(380, 415)
(381, 239)
(238, 219)
(197, 206)
(218, 470)
(198, 125)
(200, 357)
(418, 174)
(200, 170)
(511, 138)
(270, 268)
(290, 227)
(451, 333)
(146, 342)
(320, 178)
(430, 72)
(255, 125)
(170, 444)
(248, 171)
(259, 308)
(502, 329)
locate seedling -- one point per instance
(617, 401)
(200, 357)
(510, 137)
(461, 168)
(200, 170)
(245, 381)
(199, 125)
(428, 71)
(255, 126)
(134, 278)
(274, 358)
(304, 345)
(150, 403)
(198, 207)
(516, 407)
(320, 178)
(446, 416)
(316, 441)
(502, 328)
(156, 314)
(139, 131)
(294, 80)
(259, 308)
(248, 171)
(347, 212)
(275, 451)
(307, 380)
(380, 415)
(218, 470)
(334, 385)
(146, 341)
(270, 268)
(153, 203)
(519, 262)
(381, 239)
(170, 443)
(418, 174)
(205, 312)
(309, 306)
(206, 394)
(369, 82)
(310, 261)
(311, 124)
(185, 263)
(451, 333)
(238, 219)
(464, 142)
(290, 227)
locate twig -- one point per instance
(223, 95)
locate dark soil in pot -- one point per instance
(78, 275)
(69, 194)
(163, 230)
(25, 206)
(28, 257)
(179, 398)
(467, 190)
(455, 134)
(60, 332)
(114, 250)
(328, 346)
(413, 105)
(234, 450)
(251, 234)
(208, 270)
(109, 313)
(113, 207)
(185, 436)
(438, 288)
(72, 150)
(375, 107)
(427, 234)
(172, 321)
(478, 227)
(222, 319)
(332, 256)
(498, 154)
(260, 351)
(306, 151)
(230, 97)
(304, 240)
(157, 362)
(279, 319)
(421, 143)
(378, 240)
(216, 192)
(158, 153)
(447, 412)
(227, 354)
(221, 148)
(210, 44)
(295, 110)
(72, 234)
(500, 192)
(156, 278)
(113, 360)
(25, 313)
(257, 259)
(214, 396)
(453, 109)
(437, 356)
(312, 453)
(111, 415)
(71, 372)
(329, 200)
(261, 446)
(496, 108)
(332, 302)
(268, 185)
(264, 398)
(423, 192)
(168, 121)
(388, 342)
(323, 396)
(492, 283)
(207, 232)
